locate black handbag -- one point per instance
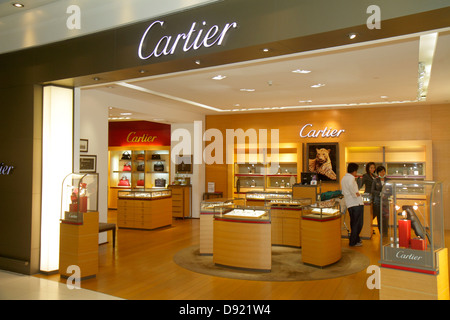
(140, 167)
(156, 156)
(160, 182)
(158, 167)
(126, 156)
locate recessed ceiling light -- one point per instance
(219, 77)
(305, 101)
(96, 79)
(126, 114)
(384, 97)
(18, 5)
(352, 35)
(247, 90)
(266, 50)
(198, 62)
(142, 71)
(301, 71)
(318, 85)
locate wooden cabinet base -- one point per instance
(286, 227)
(242, 245)
(407, 285)
(321, 242)
(144, 214)
(79, 247)
(206, 234)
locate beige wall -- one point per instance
(365, 124)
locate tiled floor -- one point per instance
(15, 286)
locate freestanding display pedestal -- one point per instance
(321, 241)
(403, 284)
(79, 246)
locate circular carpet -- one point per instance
(287, 265)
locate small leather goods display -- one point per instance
(124, 182)
(158, 167)
(127, 167)
(156, 156)
(126, 156)
(160, 182)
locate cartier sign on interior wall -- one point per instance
(5, 170)
(198, 36)
(308, 132)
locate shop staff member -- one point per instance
(354, 203)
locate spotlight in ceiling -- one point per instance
(247, 90)
(219, 77)
(266, 50)
(198, 62)
(301, 71)
(18, 5)
(352, 35)
(319, 85)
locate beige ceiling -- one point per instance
(6, 7)
(362, 75)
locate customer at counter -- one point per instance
(354, 203)
(377, 187)
(368, 177)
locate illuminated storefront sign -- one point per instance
(307, 132)
(133, 137)
(6, 170)
(168, 45)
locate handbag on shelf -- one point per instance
(127, 167)
(158, 167)
(140, 167)
(156, 156)
(124, 182)
(160, 182)
(140, 183)
(140, 156)
(126, 156)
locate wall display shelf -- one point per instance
(321, 234)
(242, 238)
(402, 159)
(137, 168)
(252, 171)
(412, 241)
(144, 209)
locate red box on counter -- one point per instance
(418, 244)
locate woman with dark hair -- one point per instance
(369, 177)
(377, 187)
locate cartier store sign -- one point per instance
(5, 169)
(308, 131)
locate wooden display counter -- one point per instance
(79, 246)
(305, 191)
(243, 243)
(321, 239)
(144, 209)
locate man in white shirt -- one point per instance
(354, 203)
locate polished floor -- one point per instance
(141, 267)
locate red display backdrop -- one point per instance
(138, 133)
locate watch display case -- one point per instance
(215, 205)
(412, 227)
(79, 195)
(154, 193)
(322, 210)
(288, 203)
(268, 195)
(242, 213)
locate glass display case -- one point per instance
(412, 227)
(154, 193)
(242, 213)
(287, 202)
(79, 195)
(322, 210)
(215, 205)
(397, 170)
(268, 195)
